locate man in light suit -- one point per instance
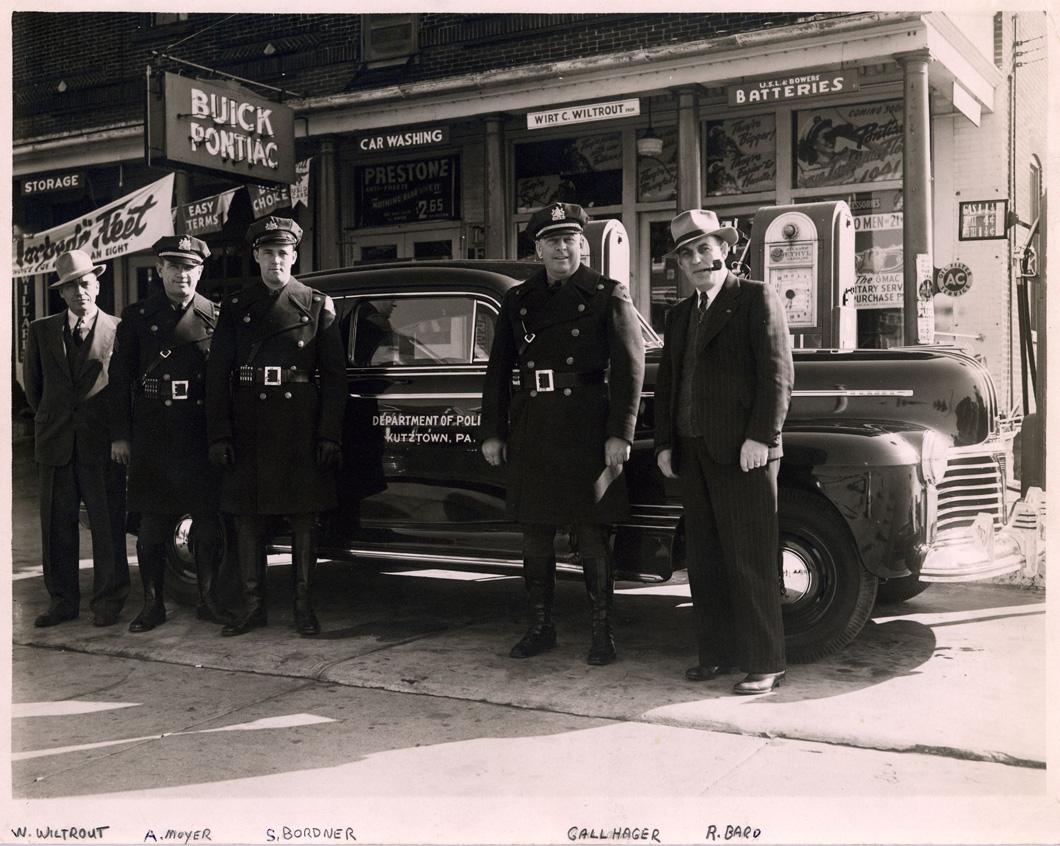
(724, 385)
(65, 373)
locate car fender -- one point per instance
(871, 476)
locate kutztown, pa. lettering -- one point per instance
(237, 132)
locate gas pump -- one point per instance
(806, 252)
(606, 249)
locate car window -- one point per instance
(419, 331)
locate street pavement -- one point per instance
(932, 726)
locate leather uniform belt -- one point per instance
(167, 389)
(544, 381)
(272, 375)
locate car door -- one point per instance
(413, 479)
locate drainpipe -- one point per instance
(496, 207)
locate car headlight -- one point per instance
(933, 456)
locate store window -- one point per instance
(410, 191)
(585, 170)
(741, 155)
(844, 145)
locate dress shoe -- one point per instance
(105, 618)
(708, 673)
(53, 617)
(759, 682)
(306, 623)
(245, 624)
(152, 615)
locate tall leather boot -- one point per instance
(303, 563)
(208, 555)
(152, 560)
(540, 576)
(250, 549)
(600, 585)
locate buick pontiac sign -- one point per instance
(222, 128)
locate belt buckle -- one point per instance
(180, 389)
(272, 375)
(548, 384)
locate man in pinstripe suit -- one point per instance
(724, 385)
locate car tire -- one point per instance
(181, 583)
(893, 591)
(829, 595)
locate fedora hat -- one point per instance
(74, 264)
(693, 224)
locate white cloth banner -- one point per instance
(300, 189)
(129, 224)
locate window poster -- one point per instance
(878, 256)
(585, 170)
(841, 145)
(741, 155)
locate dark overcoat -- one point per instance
(158, 381)
(580, 331)
(275, 385)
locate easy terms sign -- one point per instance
(214, 127)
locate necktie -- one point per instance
(79, 332)
(701, 307)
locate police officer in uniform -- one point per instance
(275, 397)
(566, 428)
(158, 376)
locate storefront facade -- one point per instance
(901, 115)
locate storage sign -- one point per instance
(53, 182)
(220, 128)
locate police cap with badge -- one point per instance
(274, 231)
(182, 249)
(557, 219)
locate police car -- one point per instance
(893, 473)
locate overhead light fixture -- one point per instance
(61, 86)
(269, 49)
(649, 145)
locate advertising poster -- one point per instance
(844, 144)
(205, 216)
(408, 192)
(129, 224)
(878, 254)
(741, 155)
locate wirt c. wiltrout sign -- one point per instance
(222, 128)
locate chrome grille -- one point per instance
(974, 483)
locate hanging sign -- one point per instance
(955, 279)
(205, 216)
(125, 226)
(407, 192)
(221, 128)
(984, 220)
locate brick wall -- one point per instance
(102, 56)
